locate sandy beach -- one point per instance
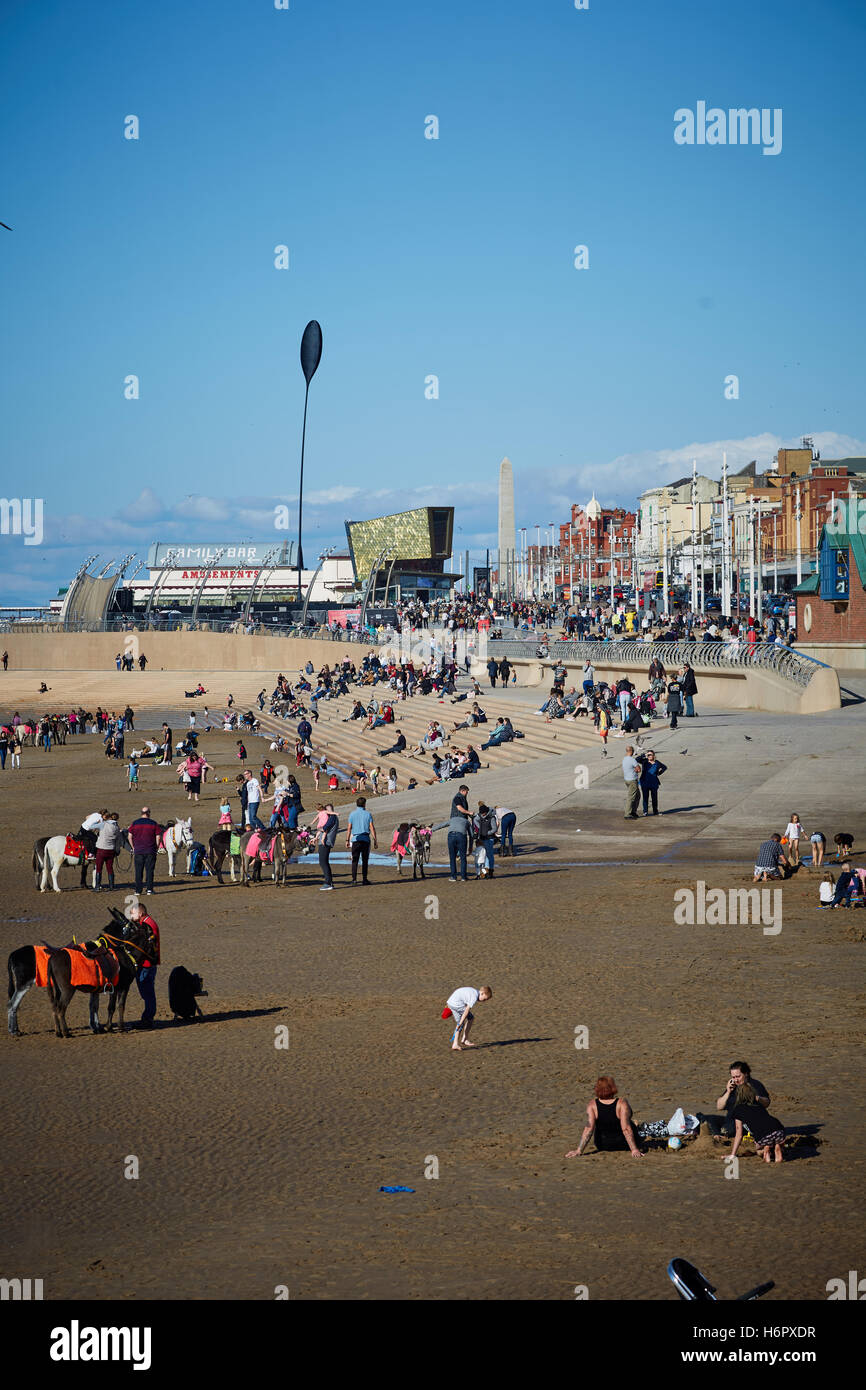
(261, 1165)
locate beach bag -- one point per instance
(680, 1123)
(518, 733)
(235, 843)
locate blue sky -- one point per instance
(451, 257)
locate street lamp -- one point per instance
(311, 356)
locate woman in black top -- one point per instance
(767, 1132)
(609, 1119)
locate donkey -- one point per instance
(285, 847)
(244, 866)
(177, 833)
(124, 940)
(49, 857)
(412, 844)
(218, 847)
(418, 846)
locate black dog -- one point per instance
(182, 990)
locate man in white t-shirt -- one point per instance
(254, 800)
(461, 1004)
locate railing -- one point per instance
(730, 655)
(233, 627)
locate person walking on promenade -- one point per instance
(492, 671)
(5, 660)
(650, 772)
(359, 833)
(689, 688)
(631, 773)
(146, 977)
(674, 706)
(326, 838)
(144, 836)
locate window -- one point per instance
(834, 574)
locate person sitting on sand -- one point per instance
(739, 1075)
(458, 1008)
(767, 1132)
(826, 891)
(609, 1121)
(846, 885)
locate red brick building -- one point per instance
(831, 604)
(598, 545)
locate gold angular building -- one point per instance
(408, 551)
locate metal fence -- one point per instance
(728, 655)
(791, 665)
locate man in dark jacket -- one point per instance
(398, 747)
(144, 836)
(689, 687)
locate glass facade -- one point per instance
(408, 538)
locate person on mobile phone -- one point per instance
(740, 1074)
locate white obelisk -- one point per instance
(507, 533)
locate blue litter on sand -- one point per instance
(396, 1189)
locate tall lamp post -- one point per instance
(311, 356)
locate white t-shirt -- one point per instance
(93, 822)
(254, 791)
(461, 1000)
(795, 832)
(826, 892)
